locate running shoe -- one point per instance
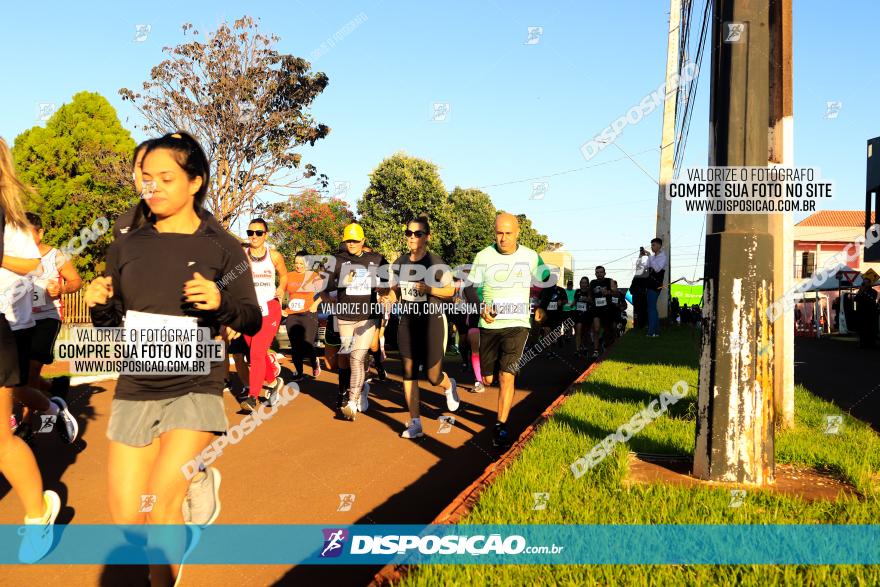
(479, 387)
(13, 423)
(316, 371)
(24, 431)
(60, 387)
(413, 430)
(248, 404)
(452, 401)
(201, 506)
(364, 403)
(595, 355)
(272, 392)
(38, 534)
(349, 411)
(297, 377)
(69, 431)
(380, 372)
(500, 437)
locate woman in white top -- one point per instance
(20, 256)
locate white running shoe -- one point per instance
(479, 387)
(38, 534)
(349, 411)
(364, 404)
(414, 429)
(70, 430)
(452, 400)
(201, 506)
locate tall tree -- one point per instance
(402, 187)
(79, 165)
(248, 105)
(307, 221)
(474, 213)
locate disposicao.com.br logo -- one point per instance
(430, 544)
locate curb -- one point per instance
(464, 502)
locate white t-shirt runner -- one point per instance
(263, 273)
(505, 281)
(16, 291)
(44, 305)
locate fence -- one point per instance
(75, 309)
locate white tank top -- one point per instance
(44, 305)
(263, 272)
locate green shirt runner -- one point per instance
(505, 281)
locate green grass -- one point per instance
(638, 371)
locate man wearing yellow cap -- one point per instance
(355, 278)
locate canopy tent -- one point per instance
(841, 277)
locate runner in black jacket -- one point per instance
(172, 263)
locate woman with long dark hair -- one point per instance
(166, 267)
(19, 256)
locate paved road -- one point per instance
(292, 469)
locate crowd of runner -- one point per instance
(171, 262)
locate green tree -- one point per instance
(402, 187)
(306, 221)
(248, 105)
(474, 214)
(528, 235)
(79, 166)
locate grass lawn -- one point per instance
(637, 372)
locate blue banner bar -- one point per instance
(463, 544)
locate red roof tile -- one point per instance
(844, 218)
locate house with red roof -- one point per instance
(822, 235)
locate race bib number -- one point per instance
(296, 304)
(581, 306)
(509, 308)
(614, 300)
(409, 293)
(360, 282)
(600, 302)
(551, 306)
(39, 296)
(149, 321)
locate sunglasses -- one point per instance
(416, 233)
(255, 232)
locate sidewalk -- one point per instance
(293, 468)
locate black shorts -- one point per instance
(301, 327)
(23, 348)
(605, 314)
(552, 320)
(9, 367)
(43, 337)
(422, 340)
(504, 346)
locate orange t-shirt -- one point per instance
(301, 289)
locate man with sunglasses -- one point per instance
(354, 276)
(265, 263)
(503, 274)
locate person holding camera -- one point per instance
(656, 272)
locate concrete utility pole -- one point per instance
(735, 423)
(782, 225)
(667, 149)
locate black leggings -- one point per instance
(462, 327)
(301, 330)
(422, 341)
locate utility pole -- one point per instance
(782, 225)
(735, 424)
(667, 149)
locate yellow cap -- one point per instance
(353, 232)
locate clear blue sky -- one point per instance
(518, 111)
